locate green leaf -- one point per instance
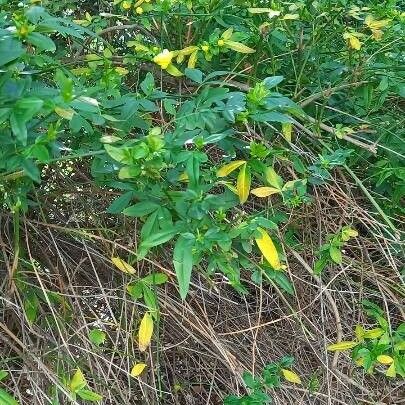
(273, 178)
(3, 374)
(118, 154)
(31, 170)
(150, 299)
(41, 42)
(31, 306)
(6, 398)
(183, 263)
(272, 116)
(135, 290)
(155, 279)
(140, 209)
(272, 81)
(159, 238)
(10, 49)
(120, 203)
(97, 337)
(335, 254)
(88, 395)
(194, 74)
(148, 84)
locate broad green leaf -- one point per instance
(259, 10)
(335, 254)
(7, 399)
(120, 203)
(159, 238)
(140, 209)
(145, 332)
(265, 191)
(155, 279)
(286, 129)
(194, 74)
(78, 381)
(97, 336)
(150, 299)
(3, 374)
(118, 154)
(268, 250)
(137, 369)
(88, 395)
(229, 168)
(243, 184)
(239, 47)
(183, 263)
(123, 265)
(41, 42)
(341, 346)
(290, 376)
(135, 290)
(10, 49)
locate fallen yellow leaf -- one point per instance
(291, 376)
(341, 346)
(137, 369)
(123, 265)
(145, 332)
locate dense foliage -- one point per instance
(212, 124)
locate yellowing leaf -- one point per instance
(239, 47)
(273, 178)
(123, 265)
(264, 191)
(78, 381)
(192, 60)
(229, 168)
(291, 376)
(352, 40)
(137, 369)
(291, 17)
(359, 361)
(268, 250)
(66, 113)
(227, 34)
(373, 333)
(286, 129)
(259, 10)
(171, 69)
(375, 24)
(359, 332)
(243, 184)
(341, 346)
(183, 177)
(145, 332)
(384, 359)
(377, 34)
(391, 371)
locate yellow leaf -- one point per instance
(359, 361)
(341, 346)
(137, 369)
(384, 359)
(286, 128)
(291, 17)
(123, 265)
(183, 177)
(268, 250)
(355, 43)
(192, 60)
(172, 70)
(229, 168)
(391, 371)
(264, 191)
(239, 47)
(66, 113)
(243, 184)
(145, 332)
(164, 58)
(375, 24)
(377, 34)
(291, 376)
(359, 332)
(227, 34)
(373, 333)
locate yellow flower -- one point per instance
(126, 5)
(139, 10)
(221, 42)
(164, 58)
